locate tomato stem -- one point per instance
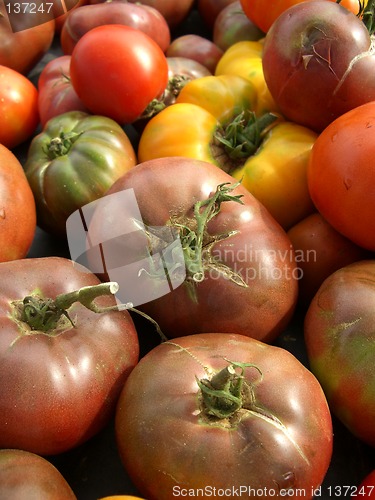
(60, 146)
(368, 15)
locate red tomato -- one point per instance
(264, 14)
(318, 63)
(240, 276)
(367, 487)
(320, 250)
(190, 419)
(341, 175)
(27, 475)
(340, 339)
(56, 93)
(18, 108)
(117, 71)
(60, 375)
(17, 208)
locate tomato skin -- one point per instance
(341, 176)
(56, 94)
(265, 17)
(17, 208)
(63, 182)
(138, 16)
(339, 337)
(160, 423)
(210, 9)
(100, 73)
(18, 108)
(367, 487)
(27, 475)
(174, 12)
(321, 250)
(22, 50)
(259, 251)
(59, 389)
(314, 78)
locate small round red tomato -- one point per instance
(17, 208)
(62, 365)
(117, 71)
(264, 14)
(19, 115)
(320, 250)
(341, 175)
(27, 475)
(340, 340)
(223, 413)
(318, 63)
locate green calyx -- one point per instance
(60, 146)
(227, 391)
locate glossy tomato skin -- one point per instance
(64, 180)
(138, 16)
(161, 424)
(258, 250)
(27, 475)
(17, 208)
(320, 251)
(339, 336)
(56, 94)
(314, 78)
(341, 176)
(263, 15)
(22, 50)
(19, 115)
(100, 72)
(59, 389)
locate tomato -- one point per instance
(138, 16)
(245, 59)
(17, 209)
(18, 108)
(196, 47)
(60, 20)
(210, 9)
(320, 250)
(174, 12)
(62, 366)
(209, 111)
(340, 339)
(318, 64)
(242, 262)
(27, 475)
(232, 26)
(341, 176)
(265, 15)
(22, 50)
(215, 413)
(367, 487)
(73, 161)
(100, 73)
(56, 94)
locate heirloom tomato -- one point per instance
(242, 415)
(117, 71)
(138, 16)
(174, 12)
(196, 47)
(341, 175)
(17, 209)
(210, 9)
(73, 161)
(212, 122)
(320, 250)
(25, 475)
(232, 269)
(56, 94)
(340, 342)
(245, 59)
(18, 108)
(318, 63)
(263, 15)
(62, 365)
(22, 50)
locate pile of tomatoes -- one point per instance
(187, 257)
